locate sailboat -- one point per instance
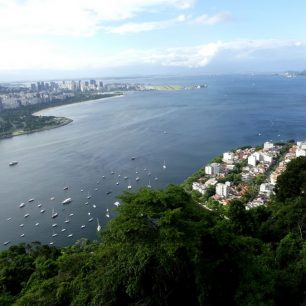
(54, 214)
(98, 226)
(164, 165)
(107, 213)
(129, 185)
(149, 185)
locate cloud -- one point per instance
(73, 17)
(133, 27)
(38, 55)
(212, 20)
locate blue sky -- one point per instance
(75, 38)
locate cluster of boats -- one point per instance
(68, 200)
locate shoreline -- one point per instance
(62, 121)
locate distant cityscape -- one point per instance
(14, 96)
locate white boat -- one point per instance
(54, 214)
(67, 220)
(155, 178)
(26, 215)
(149, 185)
(82, 190)
(103, 176)
(70, 235)
(37, 223)
(137, 178)
(117, 203)
(94, 206)
(63, 230)
(98, 226)
(21, 205)
(83, 226)
(8, 219)
(31, 200)
(51, 242)
(125, 177)
(90, 219)
(117, 183)
(129, 185)
(88, 196)
(86, 203)
(71, 214)
(6, 242)
(54, 234)
(164, 165)
(67, 201)
(21, 225)
(39, 205)
(22, 235)
(13, 163)
(54, 225)
(42, 211)
(112, 172)
(65, 188)
(107, 215)
(52, 198)
(96, 189)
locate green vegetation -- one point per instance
(21, 120)
(165, 249)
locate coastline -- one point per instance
(59, 121)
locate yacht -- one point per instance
(86, 203)
(21, 225)
(83, 226)
(82, 190)
(42, 211)
(54, 214)
(37, 223)
(63, 230)
(94, 206)
(6, 242)
(31, 200)
(67, 201)
(108, 192)
(22, 235)
(66, 188)
(21, 205)
(54, 225)
(107, 215)
(8, 219)
(125, 177)
(129, 185)
(52, 198)
(39, 205)
(133, 158)
(54, 234)
(67, 220)
(70, 235)
(117, 183)
(155, 178)
(88, 196)
(103, 176)
(90, 219)
(164, 165)
(13, 163)
(26, 215)
(71, 214)
(149, 185)
(98, 226)
(96, 189)
(117, 203)
(51, 242)
(137, 178)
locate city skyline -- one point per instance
(75, 39)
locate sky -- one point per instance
(80, 38)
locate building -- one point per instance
(300, 152)
(222, 189)
(199, 187)
(228, 157)
(212, 169)
(252, 160)
(268, 146)
(266, 189)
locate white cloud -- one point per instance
(133, 27)
(73, 17)
(38, 55)
(212, 20)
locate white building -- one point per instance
(212, 169)
(300, 152)
(266, 189)
(267, 158)
(222, 190)
(268, 145)
(252, 160)
(199, 187)
(228, 157)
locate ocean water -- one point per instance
(183, 128)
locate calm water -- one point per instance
(184, 128)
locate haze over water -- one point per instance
(184, 128)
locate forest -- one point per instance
(163, 248)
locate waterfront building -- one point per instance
(268, 146)
(212, 169)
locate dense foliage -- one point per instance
(165, 249)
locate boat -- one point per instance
(54, 234)
(83, 226)
(98, 226)
(8, 219)
(63, 230)
(155, 178)
(13, 163)
(86, 203)
(70, 235)
(21, 225)
(51, 242)
(42, 211)
(39, 205)
(137, 178)
(149, 173)
(129, 185)
(26, 215)
(31, 200)
(88, 196)
(108, 192)
(149, 185)
(21, 205)
(52, 198)
(6, 242)
(117, 203)
(82, 190)
(88, 213)
(103, 176)
(67, 220)
(94, 206)
(96, 189)
(67, 201)
(54, 225)
(90, 219)
(98, 182)
(22, 235)
(164, 165)
(37, 223)
(71, 214)
(65, 188)
(107, 215)
(133, 158)
(117, 183)
(113, 172)
(54, 214)
(125, 177)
